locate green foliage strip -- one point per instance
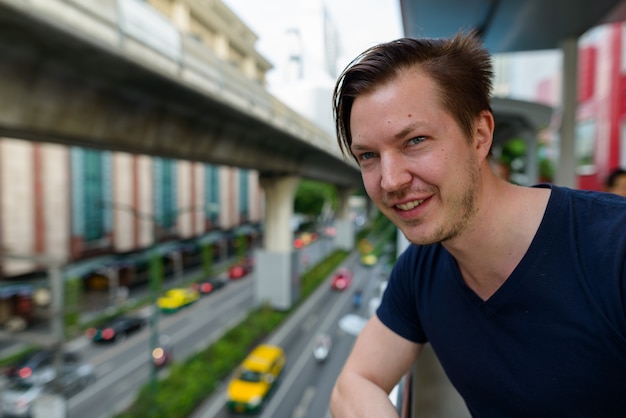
(192, 381)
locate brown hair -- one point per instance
(613, 176)
(460, 66)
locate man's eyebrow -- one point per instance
(400, 135)
(407, 130)
(354, 147)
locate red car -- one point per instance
(204, 287)
(341, 279)
(240, 269)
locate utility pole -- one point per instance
(155, 289)
(54, 298)
(155, 273)
(155, 278)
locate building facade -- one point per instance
(601, 118)
(93, 207)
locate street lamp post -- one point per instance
(155, 289)
(155, 274)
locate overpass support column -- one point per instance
(277, 275)
(345, 226)
(566, 170)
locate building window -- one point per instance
(243, 194)
(212, 193)
(165, 202)
(90, 195)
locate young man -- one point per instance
(521, 291)
(616, 182)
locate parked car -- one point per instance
(36, 363)
(219, 281)
(210, 284)
(204, 286)
(341, 279)
(176, 299)
(255, 378)
(241, 269)
(18, 398)
(115, 329)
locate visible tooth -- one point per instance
(409, 205)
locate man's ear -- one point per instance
(483, 132)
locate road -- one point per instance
(123, 368)
(304, 388)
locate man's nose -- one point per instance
(394, 173)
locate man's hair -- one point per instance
(460, 66)
(612, 178)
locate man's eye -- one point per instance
(417, 140)
(366, 156)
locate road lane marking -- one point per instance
(139, 361)
(303, 406)
(270, 410)
(217, 400)
(309, 322)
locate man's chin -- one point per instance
(416, 233)
(419, 239)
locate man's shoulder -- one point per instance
(586, 200)
(587, 217)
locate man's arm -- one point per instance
(378, 361)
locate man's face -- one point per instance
(416, 163)
(620, 185)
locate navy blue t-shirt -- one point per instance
(551, 341)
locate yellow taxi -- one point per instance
(369, 259)
(255, 378)
(176, 299)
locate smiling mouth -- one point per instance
(410, 205)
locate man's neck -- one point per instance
(499, 237)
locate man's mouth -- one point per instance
(410, 205)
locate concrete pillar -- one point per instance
(277, 276)
(345, 226)
(566, 169)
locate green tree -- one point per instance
(311, 196)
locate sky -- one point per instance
(361, 24)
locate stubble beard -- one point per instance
(458, 214)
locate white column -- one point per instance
(277, 278)
(566, 170)
(345, 226)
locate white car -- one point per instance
(17, 399)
